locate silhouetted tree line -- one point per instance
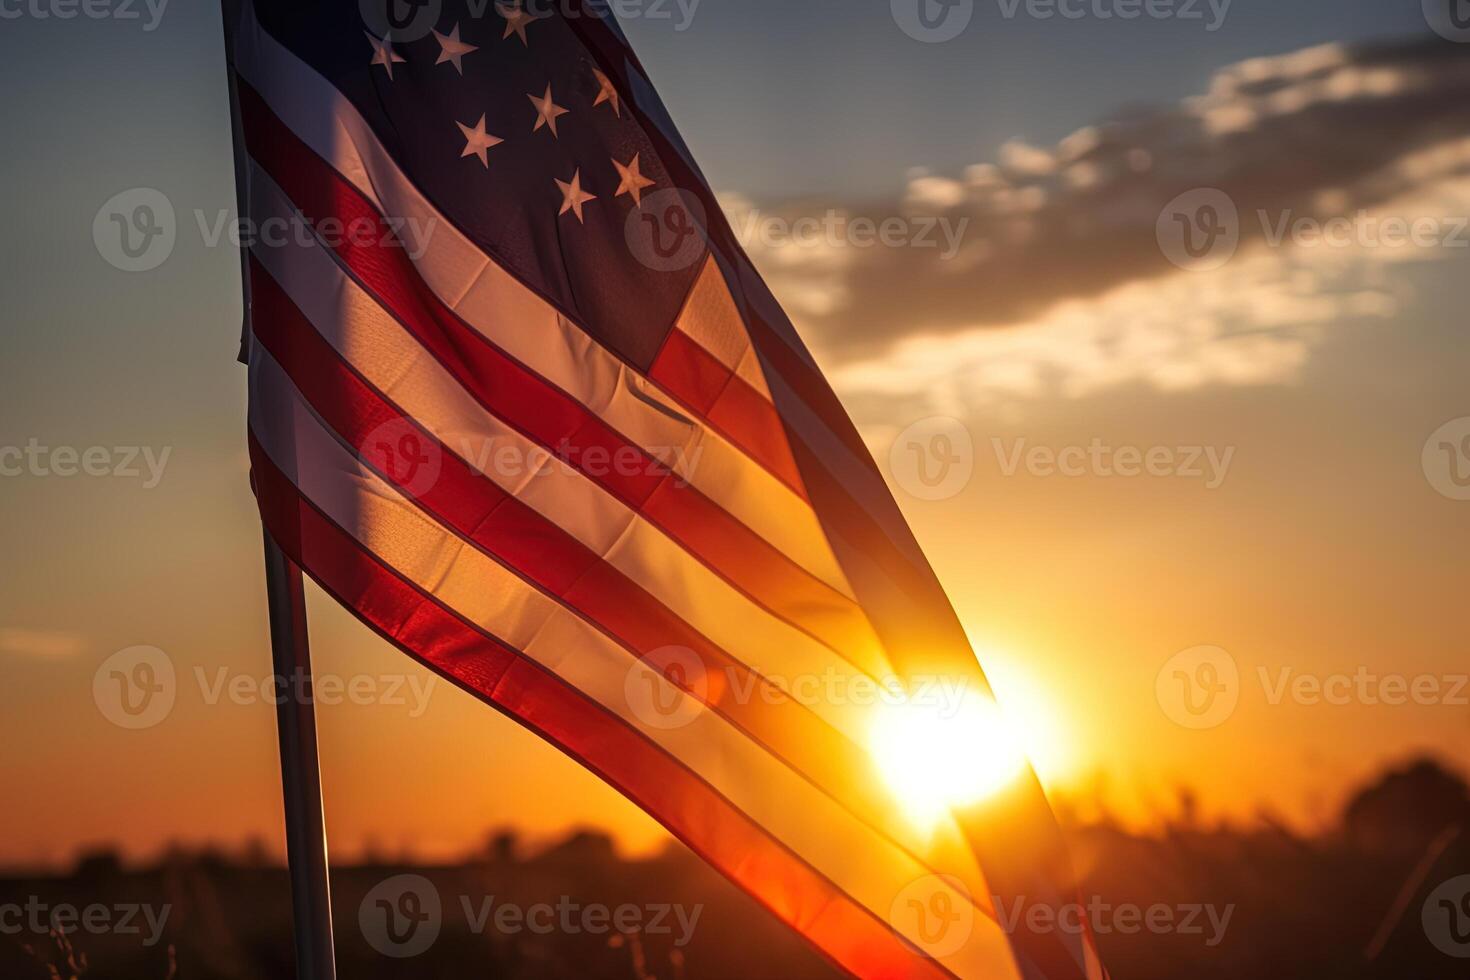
(1348, 903)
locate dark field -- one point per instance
(1366, 900)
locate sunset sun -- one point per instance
(934, 756)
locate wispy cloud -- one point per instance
(40, 644)
(1060, 284)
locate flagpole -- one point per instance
(301, 783)
(301, 777)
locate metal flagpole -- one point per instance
(301, 778)
(301, 783)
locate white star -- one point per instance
(633, 180)
(383, 54)
(452, 49)
(477, 141)
(547, 111)
(573, 197)
(516, 20)
(608, 93)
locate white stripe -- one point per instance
(519, 322)
(394, 363)
(711, 319)
(791, 810)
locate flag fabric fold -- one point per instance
(520, 402)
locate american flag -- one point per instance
(520, 402)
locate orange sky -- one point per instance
(1325, 549)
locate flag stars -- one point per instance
(608, 93)
(516, 20)
(452, 50)
(383, 54)
(547, 112)
(573, 197)
(477, 141)
(632, 180)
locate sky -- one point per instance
(1304, 520)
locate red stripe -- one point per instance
(483, 513)
(478, 662)
(539, 410)
(697, 378)
(1019, 846)
(908, 607)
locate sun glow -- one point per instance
(959, 749)
(935, 756)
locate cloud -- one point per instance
(1059, 282)
(40, 644)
